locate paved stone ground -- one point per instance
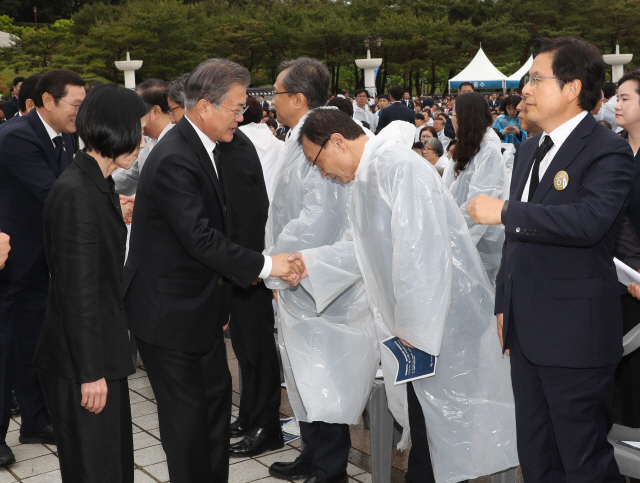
(39, 463)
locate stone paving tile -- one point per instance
(247, 471)
(139, 373)
(12, 439)
(363, 478)
(143, 408)
(288, 455)
(159, 471)
(146, 392)
(149, 456)
(134, 397)
(25, 452)
(13, 426)
(353, 470)
(135, 429)
(35, 466)
(140, 477)
(144, 440)
(17, 419)
(51, 477)
(140, 383)
(148, 422)
(5, 476)
(155, 432)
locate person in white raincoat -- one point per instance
(425, 284)
(477, 167)
(329, 356)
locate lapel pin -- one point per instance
(561, 180)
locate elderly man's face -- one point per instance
(361, 100)
(283, 103)
(333, 159)
(220, 121)
(175, 109)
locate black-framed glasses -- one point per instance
(533, 78)
(75, 106)
(318, 155)
(281, 92)
(171, 109)
(237, 113)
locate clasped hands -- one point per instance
(289, 267)
(126, 205)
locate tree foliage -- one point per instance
(424, 42)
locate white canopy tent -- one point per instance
(514, 80)
(481, 73)
(5, 39)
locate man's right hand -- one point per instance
(94, 395)
(4, 249)
(282, 267)
(499, 318)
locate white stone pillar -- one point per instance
(369, 65)
(617, 62)
(129, 67)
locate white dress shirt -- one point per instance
(50, 131)
(559, 135)
(209, 146)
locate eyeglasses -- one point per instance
(171, 109)
(533, 78)
(75, 106)
(318, 155)
(282, 92)
(237, 113)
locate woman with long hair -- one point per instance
(477, 168)
(508, 124)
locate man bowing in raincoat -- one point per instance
(425, 284)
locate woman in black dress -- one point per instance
(83, 353)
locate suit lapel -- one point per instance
(41, 132)
(526, 157)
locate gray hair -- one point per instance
(308, 77)
(436, 145)
(212, 80)
(176, 89)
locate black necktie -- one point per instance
(216, 160)
(543, 149)
(57, 141)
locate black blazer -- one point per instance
(84, 336)
(246, 192)
(11, 107)
(180, 257)
(557, 281)
(27, 173)
(395, 112)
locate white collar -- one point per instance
(560, 134)
(209, 145)
(50, 131)
(166, 130)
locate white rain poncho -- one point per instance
(426, 284)
(329, 357)
(485, 174)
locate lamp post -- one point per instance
(35, 16)
(369, 65)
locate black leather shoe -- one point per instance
(334, 479)
(44, 436)
(238, 429)
(257, 442)
(6, 455)
(294, 470)
(15, 407)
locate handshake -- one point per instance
(288, 267)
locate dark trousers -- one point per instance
(93, 448)
(254, 345)
(563, 417)
(193, 392)
(326, 447)
(22, 308)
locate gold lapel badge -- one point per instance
(561, 180)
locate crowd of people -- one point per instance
(155, 219)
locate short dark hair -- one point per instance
(322, 123)
(466, 84)
(605, 124)
(417, 145)
(396, 92)
(154, 93)
(511, 100)
(384, 96)
(272, 123)
(17, 80)
(573, 58)
(309, 77)
(108, 120)
(631, 76)
(344, 92)
(344, 105)
(55, 82)
(360, 91)
(26, 91)
(609, 89)
(419, 116)
(96, 84)
(175, 90)
(253, 112)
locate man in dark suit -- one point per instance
(557, 289)
(396, 111)
(406, 100)
(252, 319)
(34, 150)
(10, 108)
(178, 272)
(25, 99)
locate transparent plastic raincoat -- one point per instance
(426, 284)
(329, 356)
(485, 174)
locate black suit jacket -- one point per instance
(395, 112)
(11, 107)
(28, 170)
(407, 103)
(180, 256)
(84, 336)
(557, 281)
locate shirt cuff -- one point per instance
(503, 213)
(266, 269)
